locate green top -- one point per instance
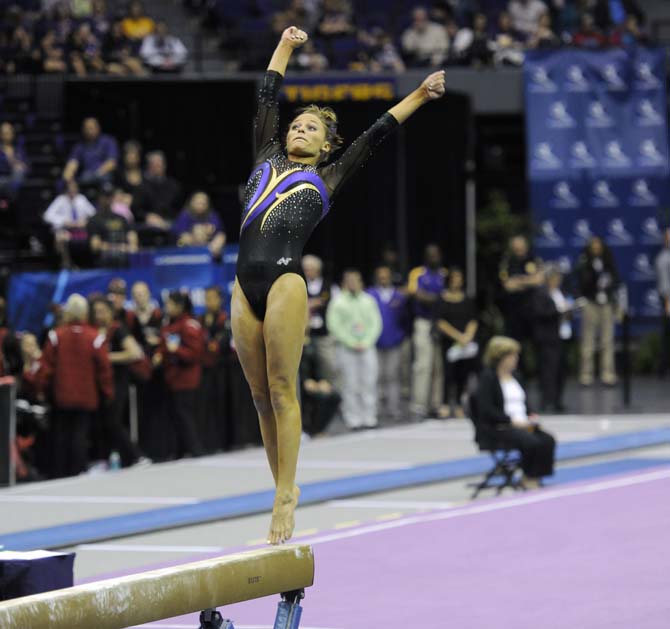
(354, 320)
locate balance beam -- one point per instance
(149, 596)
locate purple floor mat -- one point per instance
(590, 555)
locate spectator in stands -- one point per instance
(163, 52)
(380, 53)
(335, 19)
(117, 295)
(520, 274)
(304, 15)
(198, 225)
(598, 279)
(111, 237)
(456, 327)
(84, 51)
(13, 162)
(354, 321)
(137, 25)
(424, 286)
(319, 292)
(99, 18)
(478, 50)
(129, 177)
(213, 424)
(118, 54)
(588, 35)
(613, 13)
(424, 43)
(180, 354)
(394, 311)
(94, 159)
(18, 53)
(390, 258)
(309, 59)
(544, 36)
(662, 264)
(80, 379)
(503, 412)
(552, 331)
(508, 42)
(52, 54)
(68, 216)
(629, 33)
(123, 350)
(158, 196)
(526, 15)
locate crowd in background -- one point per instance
(112, 201)
(403, 347)
(378, 36)
(82, 38)
(119, 38)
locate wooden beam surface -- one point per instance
(149, 596)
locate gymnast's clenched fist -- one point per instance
(294, 37)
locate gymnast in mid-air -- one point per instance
(288, 193)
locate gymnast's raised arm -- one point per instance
(360, 150)
(267, 116)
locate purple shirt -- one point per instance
(92, 155)
(429, 281)
(393, 309)
(186, 221)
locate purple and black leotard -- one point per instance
(284, 200)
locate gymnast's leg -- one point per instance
(250, 346)
(284, 333)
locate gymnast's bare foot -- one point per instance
(283, 520)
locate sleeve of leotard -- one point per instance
(266, 126)
(337, 173)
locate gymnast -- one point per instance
(287, 194)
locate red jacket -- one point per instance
(182, 367)
(77, 367)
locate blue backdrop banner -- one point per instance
(597, 140)
(30, 295)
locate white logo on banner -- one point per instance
(548, 236)
(647, 115)
(603, 196)
(544, 158)
(540, 81)
(582, 233)
(643, 270)
(650, 155)
(614, 155)
(617, 234)
(611, 75)
(559, 116)
(576, 81)
(580, 156)
(651, 232)
(646, 79)
(641, 195)
(563, 196)
(651, 306)
(598, 117)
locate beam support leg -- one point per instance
(289, 610)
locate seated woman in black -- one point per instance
(501, 407)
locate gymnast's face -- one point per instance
(306, 138)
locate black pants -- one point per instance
(537, 450)
(456, 376)
(212, 419)
(318, 409)
(115, 434)
(69, 441)
(182, 409)
(664, 364)
(551, 367)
